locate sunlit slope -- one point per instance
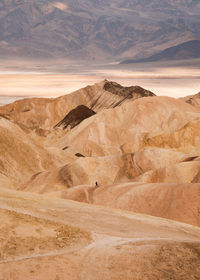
(45, 113)
(134, 122)
(65, 235)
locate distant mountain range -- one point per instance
(94, 29)
(187, 50)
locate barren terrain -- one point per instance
(99, 184)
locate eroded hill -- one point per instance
(121, 153)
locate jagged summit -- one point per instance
(45, 113)
(111, 94)
(129, 92)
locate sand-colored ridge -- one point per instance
(20, 156)
(112, 193)
(45, 113)
(149, 165)
(175, 201)
(131, 122)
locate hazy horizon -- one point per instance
(48, 79)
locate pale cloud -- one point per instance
(60, 6)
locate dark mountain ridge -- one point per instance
(92, 29)
(187, 50)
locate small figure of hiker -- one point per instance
(97, 185)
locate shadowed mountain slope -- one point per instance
(97, 30)
(76, 116)
(45, 113)
(187, 50)
(105, 133)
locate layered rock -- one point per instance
(45, 113)
(76, 116)
(20, 156)
(110, 149)
(134, 122)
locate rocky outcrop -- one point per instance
(135, 122)
(45, 113)
(76, 116)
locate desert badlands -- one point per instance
(100, 184)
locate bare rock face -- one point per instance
(76, 116)
(20, 156)
(45, 113)
(134, 122)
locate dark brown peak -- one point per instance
(76, 116)
(142, 91)
(79, 155)
(128, 92)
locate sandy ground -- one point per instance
(70, 240)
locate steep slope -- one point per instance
(194, 100)
(187, 50)
(21, 157)
(133, 122)
(61, 243)
(44, 113)
(76, 116)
